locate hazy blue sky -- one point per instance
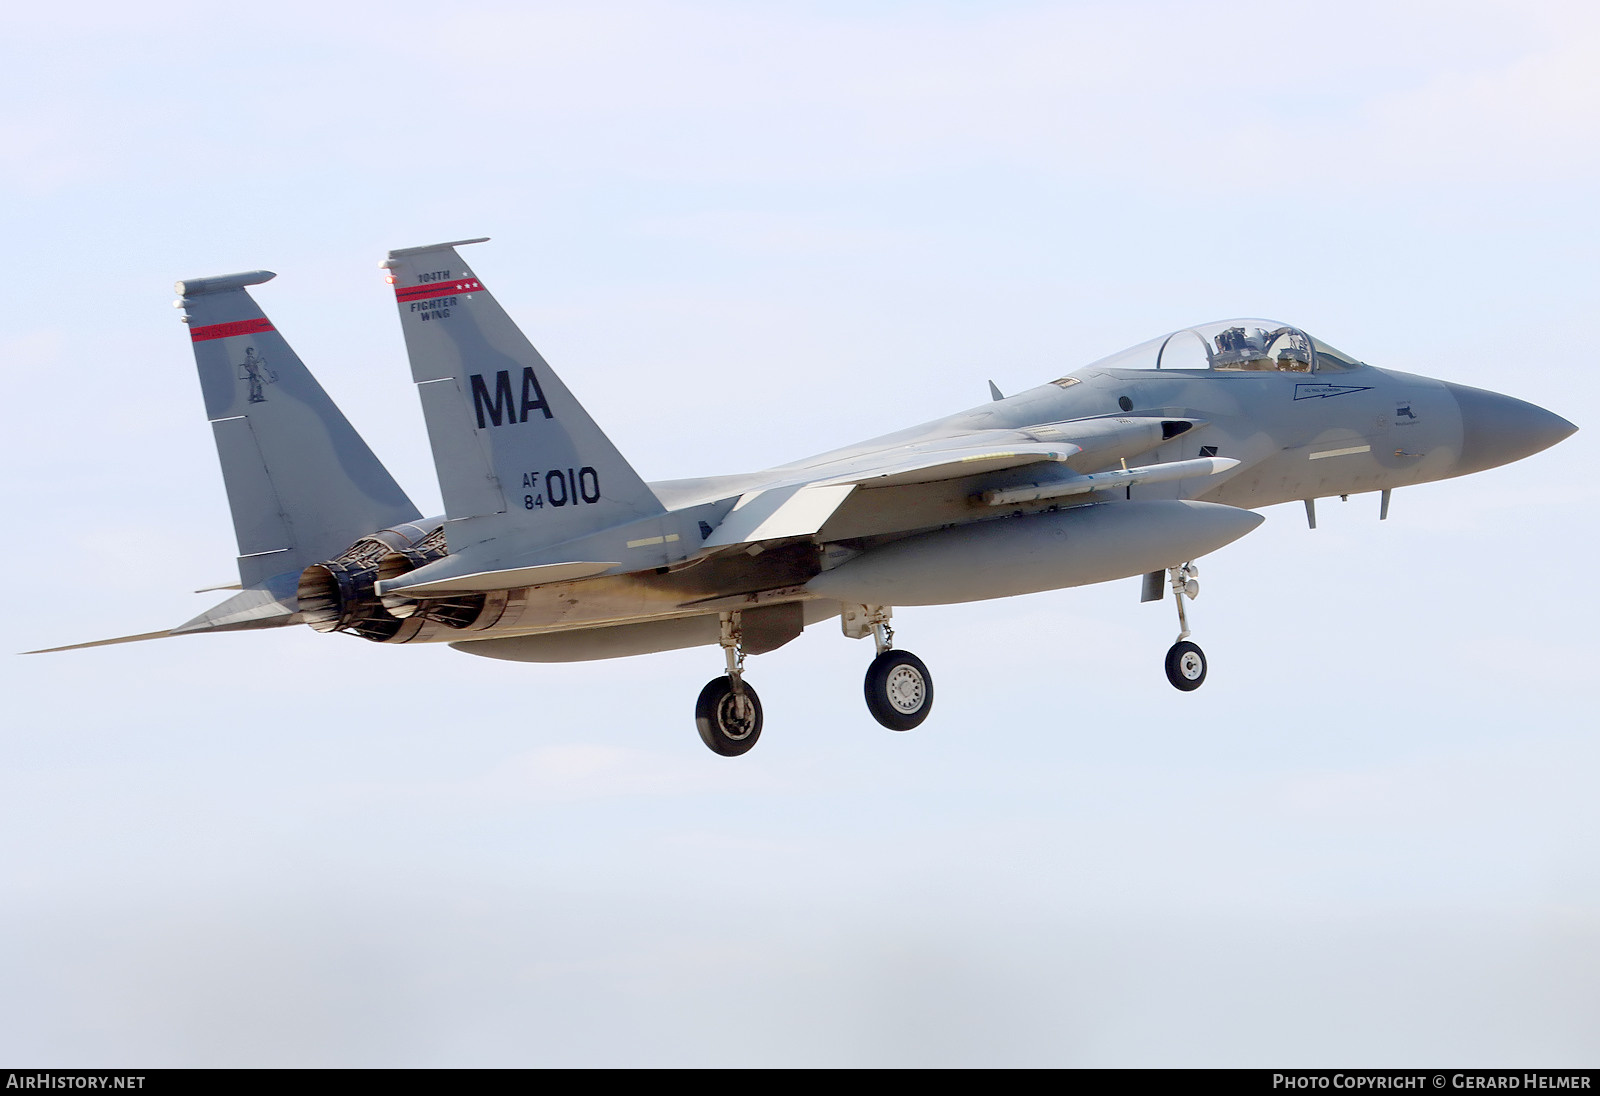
(743, 234)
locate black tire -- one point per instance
(716, 715)
(1186, 666)
(899, 690)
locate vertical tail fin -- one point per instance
(517, 455)
(301, 482)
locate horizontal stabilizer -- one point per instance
(253, 608)
(101, 643)
(483, 581)
(244, 611)
(247, 610)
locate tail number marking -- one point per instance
(560, 488)
(503, 407)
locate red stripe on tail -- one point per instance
(229, 330)
(436, 289)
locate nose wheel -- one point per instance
(1186, 666)
(1186, 662)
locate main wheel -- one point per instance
(1186, 666)
(899, 690)
(728, 722)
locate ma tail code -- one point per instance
(502, 407)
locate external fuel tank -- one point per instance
(1025, 554)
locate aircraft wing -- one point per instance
(807, 495)
(1100, 441)
(800, 509)
(954, 459)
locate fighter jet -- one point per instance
(552, 548)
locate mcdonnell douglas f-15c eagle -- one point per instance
(553, 549)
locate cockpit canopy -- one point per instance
(1260, 346)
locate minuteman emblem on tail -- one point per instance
(301, 483)
(254, 370)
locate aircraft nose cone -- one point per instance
(1497, 429)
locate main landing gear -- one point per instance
(898, 687)
(728, 713)
(1186, 662)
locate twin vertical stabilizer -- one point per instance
(519, 460)
(520, 463)
(302, 484)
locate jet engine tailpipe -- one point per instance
(339, 595)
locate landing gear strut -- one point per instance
(728, 713)
(898, 687)
(1186, 662)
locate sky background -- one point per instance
(743, 234)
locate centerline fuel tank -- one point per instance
(1028, 553)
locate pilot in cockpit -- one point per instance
(1239, 349)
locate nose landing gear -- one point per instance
(1186, 662)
